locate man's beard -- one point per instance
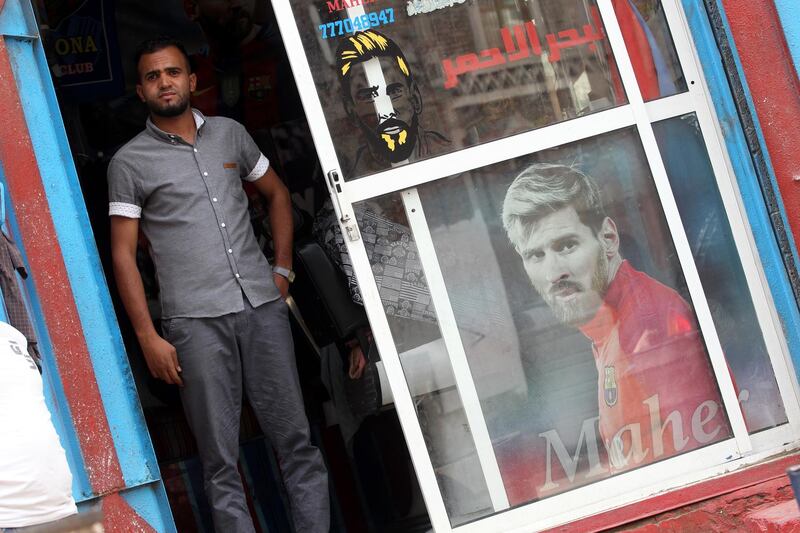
(168, 110)
(395, 145)
(577, 311)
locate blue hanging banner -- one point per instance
(82, 49)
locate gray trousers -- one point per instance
(252, 348)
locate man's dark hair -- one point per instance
(151, 46)
(363, 46)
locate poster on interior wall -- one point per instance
(82, 49)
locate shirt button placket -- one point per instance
(225, 236)
(229, 249)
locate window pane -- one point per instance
(414, 79)
(703, 214)
(649, 43)
(413, 322)
(588, 306)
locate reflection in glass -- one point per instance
(574, 261)
(692, 178)
(650, 47)
(407, 303)
(404, 80)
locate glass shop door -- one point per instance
(549, 244)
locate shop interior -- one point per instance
(243, 73)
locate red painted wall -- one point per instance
(740, 501)
(766, 507)
(37, 229)
(775, 89)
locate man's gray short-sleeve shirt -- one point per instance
(194, 214)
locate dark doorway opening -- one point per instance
(244, 74)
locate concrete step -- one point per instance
(783, 517)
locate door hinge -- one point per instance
(349, 225)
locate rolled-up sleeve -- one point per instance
(252, 162)
(124, 194)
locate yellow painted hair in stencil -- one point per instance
(365, 45)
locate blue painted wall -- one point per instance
(789, 12)
(746, 175)
(144, 489)
(82, 262)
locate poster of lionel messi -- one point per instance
(616, 368)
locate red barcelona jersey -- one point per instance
(657, 394)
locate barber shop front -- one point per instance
(541, 276)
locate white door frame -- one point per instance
(621, 489)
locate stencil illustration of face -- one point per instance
(391, 135)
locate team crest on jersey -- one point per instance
(610, 391)
(258, 86)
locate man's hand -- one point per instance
(162, 359)
(280, 222)
(357, 362)
(282, 284)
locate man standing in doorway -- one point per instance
(656, 392)
(224, 322)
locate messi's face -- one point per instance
(385, 110)
(568, 264)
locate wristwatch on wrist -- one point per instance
(285, 272)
